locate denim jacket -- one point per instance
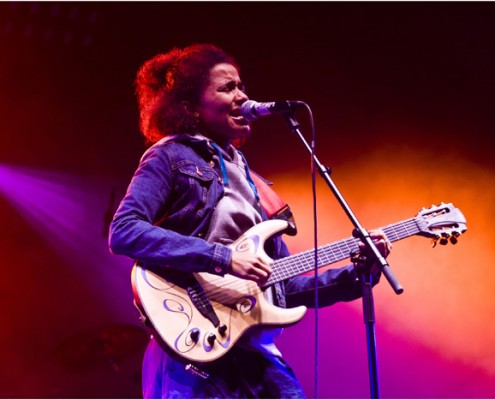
(167, 210)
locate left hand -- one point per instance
(383, 245)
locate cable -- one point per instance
(315, 245)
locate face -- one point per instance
(219, 105)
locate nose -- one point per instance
(240, 96)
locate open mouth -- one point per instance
(238, 118)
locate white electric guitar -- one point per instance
(201, 316)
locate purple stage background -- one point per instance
(403, 98)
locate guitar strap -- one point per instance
(274, 206)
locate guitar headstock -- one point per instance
(442, 223)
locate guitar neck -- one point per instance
(331, 253)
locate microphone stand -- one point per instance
(365, 275)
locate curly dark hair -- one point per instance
(168, 89)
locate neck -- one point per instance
(220, 141)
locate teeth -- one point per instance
(240, 120)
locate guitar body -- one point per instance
(239, 304)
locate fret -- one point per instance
(331, 253)
(352, 245)
(401, 230)
(393, 233)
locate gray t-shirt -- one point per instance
(235, 213)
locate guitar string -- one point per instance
(325, 257)
(301, 263)
(304, 262)
(394, 232)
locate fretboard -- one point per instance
(333, 252)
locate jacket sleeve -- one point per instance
(133, 232)
(334, 285)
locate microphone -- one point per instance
(252, 110)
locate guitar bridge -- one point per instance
(202, 303)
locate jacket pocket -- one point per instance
(193, 184)
(201, 173)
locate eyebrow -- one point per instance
(232, 82)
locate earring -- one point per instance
(197, 121)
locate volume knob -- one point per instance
(222, 329)
(211, 338)
(194, 335)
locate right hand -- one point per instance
(250, 266)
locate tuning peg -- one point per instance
(435, 240)
(444, 240)
(453, 238)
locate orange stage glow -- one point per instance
(448, 301)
